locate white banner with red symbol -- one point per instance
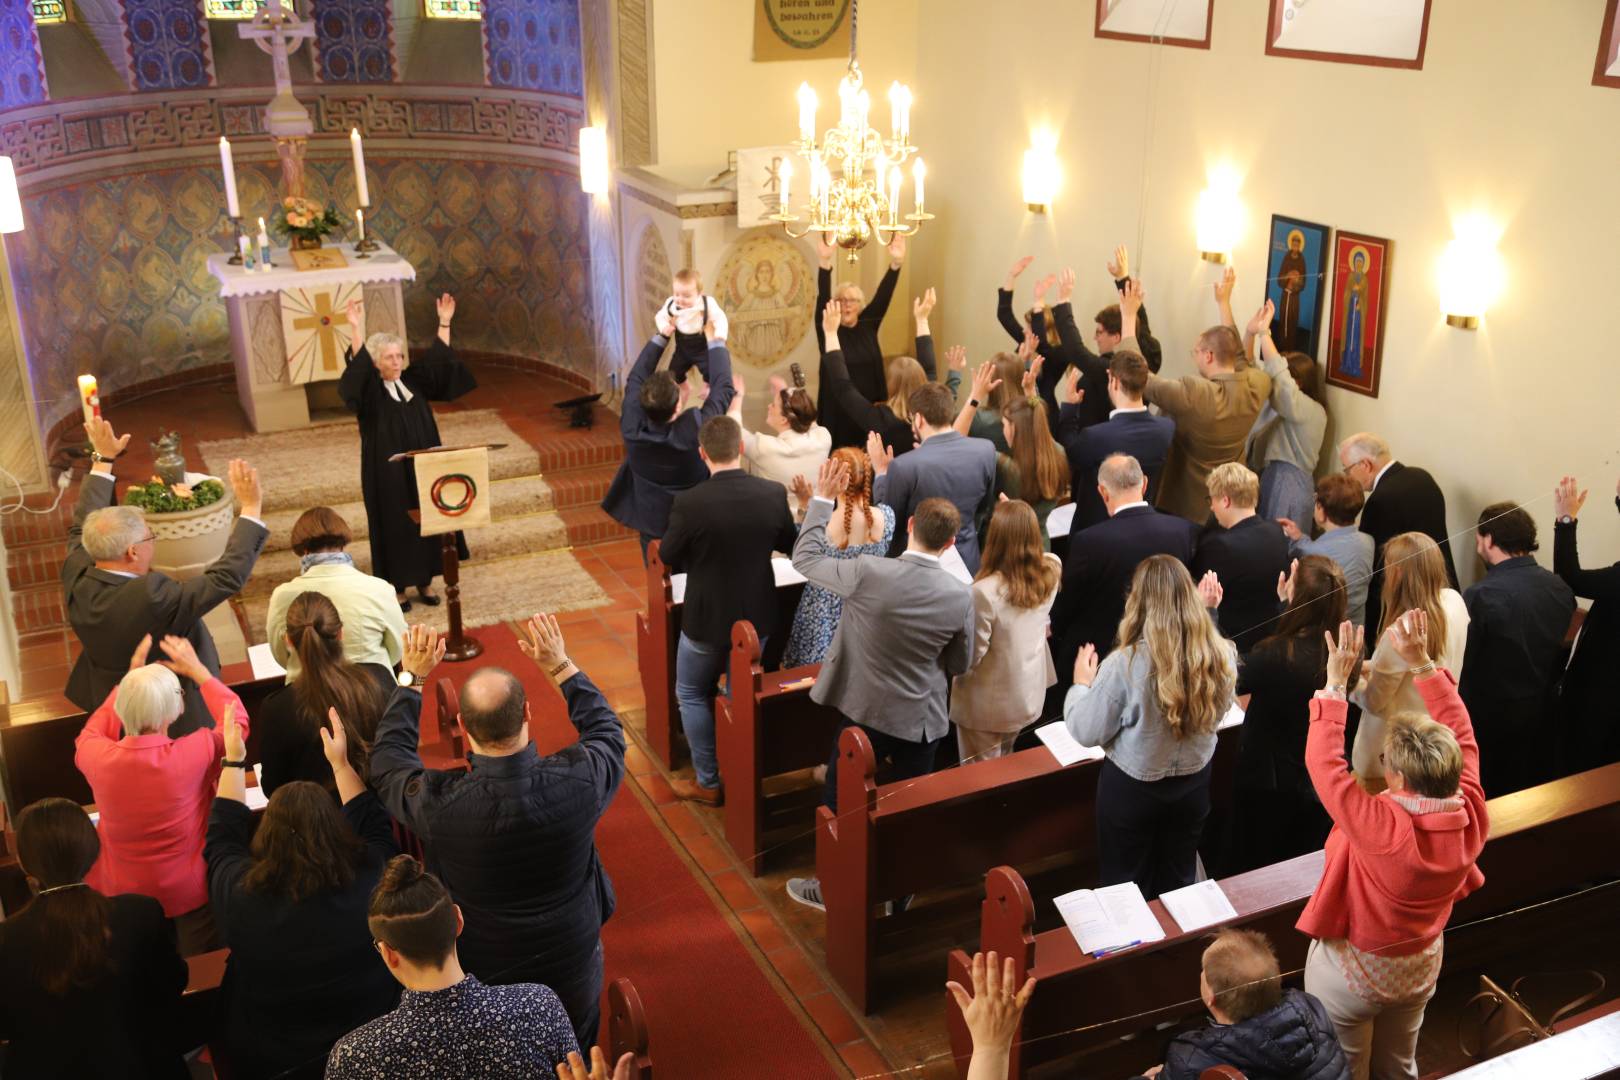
(453, 488)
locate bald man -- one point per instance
(513, 837)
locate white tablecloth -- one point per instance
(385, 264)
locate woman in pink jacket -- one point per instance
(1396, 862)
(154, 792)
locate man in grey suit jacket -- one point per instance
(946, 464)
(906, 628)
(113, 597)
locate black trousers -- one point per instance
(909, 759)
(1148, 831)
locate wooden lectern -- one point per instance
(471, 485)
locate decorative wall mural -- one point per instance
(22, 71)
(354, 41)
(653, 275)
(533, 45)
(168, 44)
(767, 291)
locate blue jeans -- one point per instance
(697, 676)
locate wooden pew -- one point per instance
(449, 707)
(949, 828)
(658, 633)
(1545, 842)
(764, 730)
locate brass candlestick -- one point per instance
(236, 248)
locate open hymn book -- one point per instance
(1109, 919)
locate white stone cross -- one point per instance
(279, 31)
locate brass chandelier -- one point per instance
(855, 173)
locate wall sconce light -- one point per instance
(1220, 217)
(1042, 174)
(11, 219)
(1470, 273)
(593, 160)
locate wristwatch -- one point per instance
(407, 679)
(235, 764)
(99, 460)
(1569, 519)
(973, 401)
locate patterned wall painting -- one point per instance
(767, 291)
(168, 44)
(533, 45)
(22, 72)
(354, 41)
(111, 275)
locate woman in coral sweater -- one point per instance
(1396, 862)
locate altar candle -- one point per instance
(359, 167)
(264, 246)
(232, 208)
(918, 171)
(89, 398)
(245, 248)
(360, 223)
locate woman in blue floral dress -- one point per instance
(857, 528)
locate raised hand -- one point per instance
(1223, 287)
(423, 648)
(776, 383)
(1261, 323)
(923, 305)
(543, 642)
(231, 729)
(1086, 664)
(739, 384)
(574, 1067)
(881, 456)
(1042, 287)
(1065, 285)
(830, 316)
(138, 657)
(801, 489)
(245, 485)
(984, 380)
(446, 305)
(663, 322)
(1285, 582)
(993, 1011)
(1568, 498)
(833, 478)
(1130, 302)
(1119, 267)
(1410, 637)
(1027, 347)
(1017, 268)
(897, 252)
(1344, 655)
(1209, 589)
(335, 741)
(956, 357)
(102, 439)
(1072, 394)
(1032, 376)
(355, 311)
(182, 659)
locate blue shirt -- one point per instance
(464, 1032)
(1352, 549)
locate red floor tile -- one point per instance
(736, 890)
(765, 930)
(832, 1018)
(863, 1061)
(796, 971)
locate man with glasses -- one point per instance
(113, 597)
(1400, 498)
(857, 337)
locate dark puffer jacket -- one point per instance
(513, 838)
(1293, 1040)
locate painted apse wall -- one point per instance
(1502, 119)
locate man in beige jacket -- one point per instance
(1213, 410)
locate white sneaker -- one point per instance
(807, 891)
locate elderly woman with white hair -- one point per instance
(390, 395)
(154, 792)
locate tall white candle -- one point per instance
(918, 171)
(359, 167)
(894, 194)
(787, 181)
(232, 208)
(89, 398)
(360, 223)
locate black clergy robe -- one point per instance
(388, 426)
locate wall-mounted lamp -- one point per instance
(1470, 273)
(593, 160)
(11, 219)
(1042, 175)
(1220, 217)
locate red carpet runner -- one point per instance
(711, 1011)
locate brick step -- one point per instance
(582, 448)
(38, 563)
(574, 488)
(39, 608)
(591, 525)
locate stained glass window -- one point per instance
(455, 9)
(50, 11)
(237, 9)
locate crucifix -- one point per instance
(279, 31)
(325, 337)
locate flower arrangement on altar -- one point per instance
(305, 222)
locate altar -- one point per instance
(289, 330)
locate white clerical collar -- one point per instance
(1128, 506)
(1380, 475)
(1127, 409)
(398, 390)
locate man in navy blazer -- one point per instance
(1101, 560)
(945, 465)
(1129, 429)
(661, 441)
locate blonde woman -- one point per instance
(857, 528)
(842, 396)
(794, 446)
(390, 397)
(1004, 689)
(1415, 579)
(1153, 706)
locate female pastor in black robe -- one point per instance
(390, 395)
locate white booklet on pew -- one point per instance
(1109, 919)
(780, 567)
(264, 662)
(1198, 906)
(1065, 747)
(1233, 717)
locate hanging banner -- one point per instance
(800, 29)
(452, 487)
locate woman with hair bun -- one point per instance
(291, 719)
(795, 446)
(89, 984)
(290, 901)
(857, 528)
(390, 397)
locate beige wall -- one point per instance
(1502, 119)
